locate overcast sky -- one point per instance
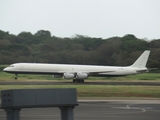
(94, 18)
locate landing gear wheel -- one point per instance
(82, 81)
(78, 81)
(74, 80)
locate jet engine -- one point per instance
(81, 75)
(68, 75)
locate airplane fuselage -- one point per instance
(57, 69)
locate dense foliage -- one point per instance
(44, 48)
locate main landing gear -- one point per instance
(78, 80)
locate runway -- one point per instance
(98, 110)
(85, 83)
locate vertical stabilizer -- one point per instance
(142, 60)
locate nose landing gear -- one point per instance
(16, 76)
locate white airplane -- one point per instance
(79, 72)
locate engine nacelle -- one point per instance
(81, 75)
(68, 75)
(57, 76)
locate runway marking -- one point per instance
(143, 109)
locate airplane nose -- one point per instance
(5, 69)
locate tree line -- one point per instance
(42, 47)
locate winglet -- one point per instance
(142, 60)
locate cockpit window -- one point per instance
(11, 66)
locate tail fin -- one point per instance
(142, 60)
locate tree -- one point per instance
(43, 33)
(3, 34)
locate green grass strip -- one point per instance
(99, 90)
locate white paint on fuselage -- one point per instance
(66, 68)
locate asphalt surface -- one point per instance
(98, 110)
(85, 83)
(95, 109)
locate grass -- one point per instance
(99, 90)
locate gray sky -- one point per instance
(94, 18)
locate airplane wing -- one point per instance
(90, 72)
(99, 72)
